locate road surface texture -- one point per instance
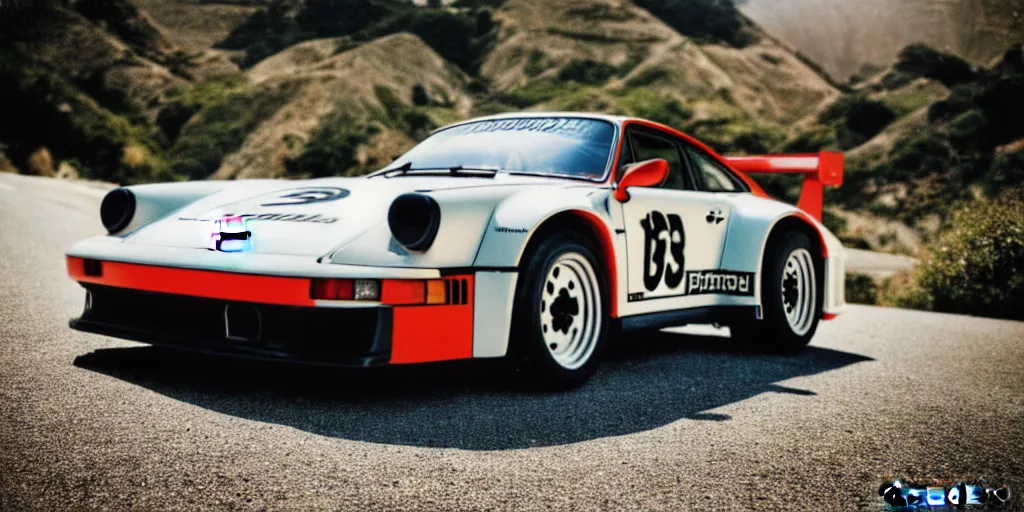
(672, 422)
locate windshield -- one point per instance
(571, 147)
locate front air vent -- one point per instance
(456, 291)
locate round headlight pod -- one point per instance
(414, 219)
(117, 209)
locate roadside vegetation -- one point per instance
(462, 34)
(967, 147)
(975, 267)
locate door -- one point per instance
(674, 233)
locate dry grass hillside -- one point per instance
(349, 82)
(195, 26)
(141, 90)
(844, 35)
(538, 39)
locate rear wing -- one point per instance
(822, 170)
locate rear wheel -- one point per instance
(791, 296)
(559, 324)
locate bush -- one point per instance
(857, 119)
(715, 21)
(647, 77)
(452, 35)
(395, 114)
(961, 99)
(861, 289)
(817, 139)
(222, 126)
(462, 37)
(1007, 171)
(536, 63)
(419, 96)
(976, 266)
(333, 147)
(53, 112)
(924, 61)
(586, 71)
(647, 104)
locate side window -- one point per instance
(648, 147)
(714, 177)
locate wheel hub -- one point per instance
(570, 310)
(798, 291)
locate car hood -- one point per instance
(308, 217)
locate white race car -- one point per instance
(534, 236)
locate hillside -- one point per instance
(844, 36)
(141, 90)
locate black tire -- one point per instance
(775, 332)
(536, 365)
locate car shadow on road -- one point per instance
(658, 380)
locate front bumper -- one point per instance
(274, 317)
(355, 337)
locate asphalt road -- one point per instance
(674, 422)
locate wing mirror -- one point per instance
(649, 173)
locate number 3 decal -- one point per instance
(661, 234)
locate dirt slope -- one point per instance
(325, 81)
(764, 79)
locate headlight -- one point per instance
(414, 219)
(117, 209)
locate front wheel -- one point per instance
(791, 296)
(560, 324)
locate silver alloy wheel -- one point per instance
(570, 310)
(798, 291)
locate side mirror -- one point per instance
(649, 173)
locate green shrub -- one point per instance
(647, 77)
(819, 138)
(538, 91)
(976, 266)
(835, 223)
(586, 71)
(924, 153)
(536, 63)
(333, 147)
(969, 130)
(857, 119)
(395, 114)
(419, 96)
(636, 54)
(453, 35)
(647, 104)
(52, 112)
(716, 21)
(1007, 171)
(861, 289)
(896, 79)
(462, 36)
(924, 61)
(222, 126)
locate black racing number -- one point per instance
(661, 233)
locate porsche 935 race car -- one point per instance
(534, 237)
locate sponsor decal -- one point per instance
(721, 282)
(308, 195)
(704, 282)
(663, 234)
(500, 229)
(714, 217)
(280, 217)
